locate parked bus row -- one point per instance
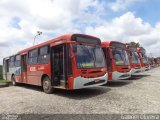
(154, 61)
(74, 61)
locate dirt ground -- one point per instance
(138, 95)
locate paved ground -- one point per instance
(138, 95)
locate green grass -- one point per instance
(4, 81)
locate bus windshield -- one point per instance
(145, 59)
(120, 56)
(135, 58)
(89, 56)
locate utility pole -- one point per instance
(38, 33)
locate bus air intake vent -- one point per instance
(125, 68)
(84, 71)
(95, 71)
(94, 82)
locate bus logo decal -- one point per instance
(32, 68)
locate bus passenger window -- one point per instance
(17, 61)
(44, 56)
(32, 58)
(44, 50)
(11, 62)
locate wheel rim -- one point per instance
(46, 85)
(13, 81)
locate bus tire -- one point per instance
(46, 84)
(14, 83)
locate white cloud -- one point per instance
(121, 4)
(57, 17)
(52, 17)
(127, 28)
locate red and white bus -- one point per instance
(143, 59)
(68, 62)
(158, 61)
(117, 60)
(134, 59)
(154, 61)
(151, 61)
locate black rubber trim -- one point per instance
(97, 81)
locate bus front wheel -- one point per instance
(47, 87)
(14, 83)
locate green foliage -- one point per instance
(4, 81)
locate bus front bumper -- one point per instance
(120, 76)
(143, 69)
(81, 82)
(136, 71)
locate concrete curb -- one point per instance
(4, 85)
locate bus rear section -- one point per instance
(117, 60)
(143, 59)
(68, 62)
(134, 59)
(6, 73)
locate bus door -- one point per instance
(59, 76)
(6, 68)
(108, 61)
(24, 68)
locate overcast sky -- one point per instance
(121, 20)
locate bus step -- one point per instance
(59, 87)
